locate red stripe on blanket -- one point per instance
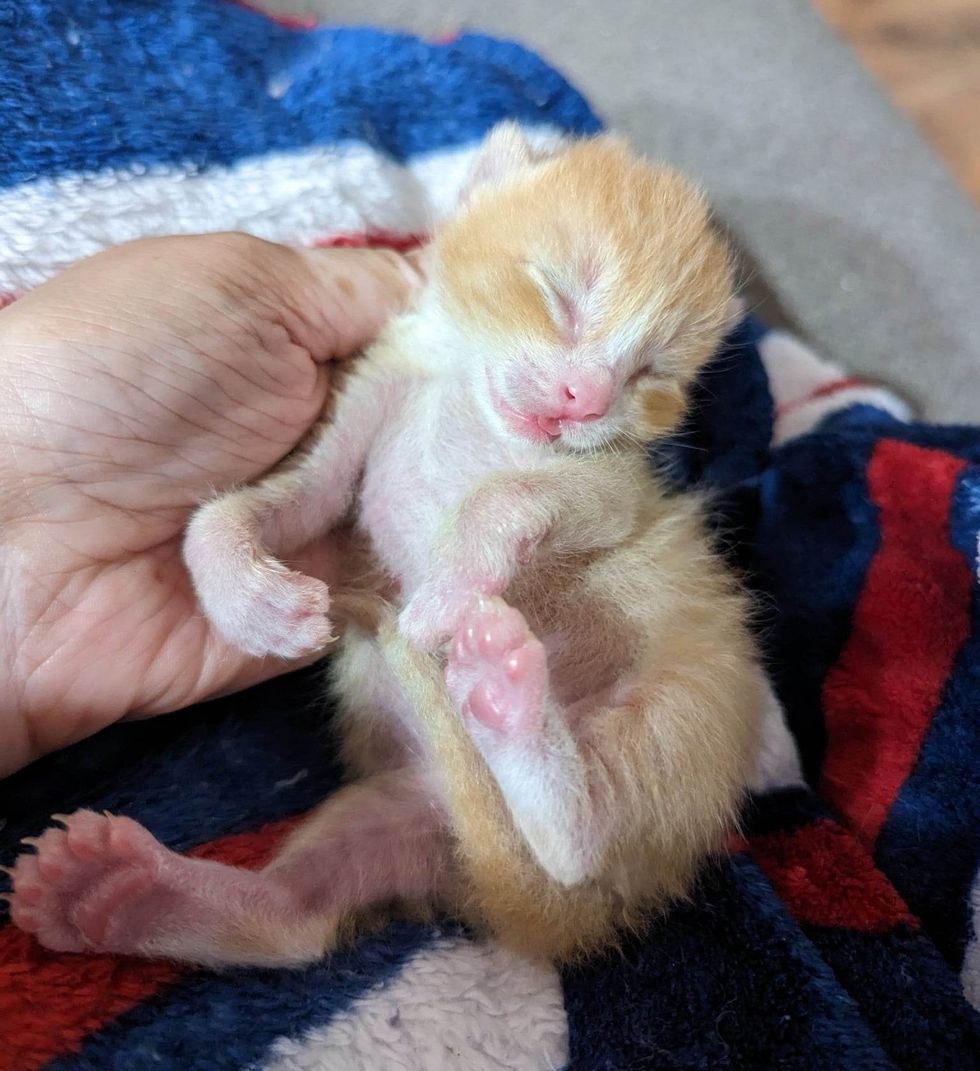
(911, 619)
(825, 391)
(288, 22)
(825, 877)
(401, 243)
(49, 1002)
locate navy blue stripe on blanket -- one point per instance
(795, 521)
(903, 987)
(87, 87)
(218, 768)
(934, 825)
(729, 982)
(907, 994)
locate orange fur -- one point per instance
(661, 408)
(643, 233)
(676, 756)
(589, 251)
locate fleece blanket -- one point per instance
(840, 935)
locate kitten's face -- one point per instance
(590, 288)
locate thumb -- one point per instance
(343, 297)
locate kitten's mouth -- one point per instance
(574, 435)
(538, 429)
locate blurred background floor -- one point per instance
(926, 55)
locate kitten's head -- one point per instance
(589, 287)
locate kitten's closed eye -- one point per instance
(647, 372)
(651, 364)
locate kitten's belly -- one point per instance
(589, 642)
(410, 484)
(400, 509)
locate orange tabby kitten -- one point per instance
(549, 717)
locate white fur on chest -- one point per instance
(435, 448)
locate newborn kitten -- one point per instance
(556, 729)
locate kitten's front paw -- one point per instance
(434, 614)
(253, 601)
(273, 611)
(279, 613)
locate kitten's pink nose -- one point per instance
(586, 396)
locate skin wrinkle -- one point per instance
(197, 400)
(102, 432)
(190, 396)
(74, 465)
(252, 385)
(330, 330)
(195, 377)
(126, 520)
(234, 347)
(85, 588)
(234, 341)
(280, 380)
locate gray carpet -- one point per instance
(854, 230)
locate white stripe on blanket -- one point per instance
(298, 197)
(454, 1005)
(797, 378)
(970, 972)
(777, 763)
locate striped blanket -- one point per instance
(840, 935)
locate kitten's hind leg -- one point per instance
(105, 884)
(659, 762)
(497, 676)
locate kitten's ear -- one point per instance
(504, 152)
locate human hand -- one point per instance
(132, 387)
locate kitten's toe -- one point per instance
(497, 671)
(88, 886)
(290, 617)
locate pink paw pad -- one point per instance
(88, 886)
(497, 671)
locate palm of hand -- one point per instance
(118, 425)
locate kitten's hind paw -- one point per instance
(497, 672)
(91, 886)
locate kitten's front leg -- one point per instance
(235, 543)
(570, 506)
(495, 532)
